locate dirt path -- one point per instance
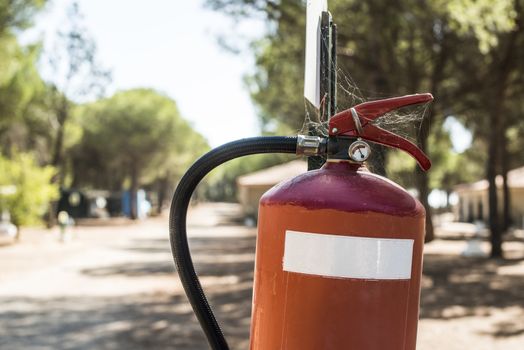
(114, 287)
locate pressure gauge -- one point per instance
(359, 151)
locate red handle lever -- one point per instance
(356, 121)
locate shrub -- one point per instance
(25, 188)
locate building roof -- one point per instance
(273, 175)
(515, 180)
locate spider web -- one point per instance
(405, 122)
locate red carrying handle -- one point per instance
(356, 121)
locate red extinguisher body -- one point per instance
(338, 263)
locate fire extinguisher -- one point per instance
(339, 249)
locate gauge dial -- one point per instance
(359, 151)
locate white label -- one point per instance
(348, 256)
(312, 69)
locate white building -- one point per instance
(473, 198)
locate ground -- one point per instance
(114, 287)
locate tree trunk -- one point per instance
(51, 214)
(162, 192)
(506, 196)
(133, 200)
(62, 113)
(423, 189)
(491, 174)
(496, 128)
(496, 95)
(18, 233)
(422, 178)
(506, 203)
(491, 171)
(56, 161)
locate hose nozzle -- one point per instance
(311, 145)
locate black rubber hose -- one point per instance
(177, 221)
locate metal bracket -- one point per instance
(328, 76)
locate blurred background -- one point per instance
(104, 105)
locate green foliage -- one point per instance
(276, 86)
(133, 132)
(20, 81)
(135, 136)
(387, 47)
(185, 146)
(447, 47)
(24, 122)
(77, 76)
(32, 191)
(18, 14)
(485, 19)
